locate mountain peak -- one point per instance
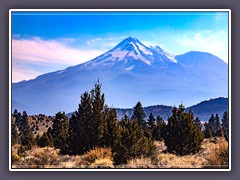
(130, 38)
(131, 51)
(128, 44)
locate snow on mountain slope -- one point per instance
(129, 72)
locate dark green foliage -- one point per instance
(25, 132)
(197, 123)
(14, 133)
(60, 132)
(207, 132)
(225, 125)
(151, 122)
(220, 133)
(15, 113)
(214, 125)
(139, 115)
(98, 102)
(82, 127)
(94, 124)
(112, 128)
(182, 137)
(158, 131)
(45, 140)
(134, 142)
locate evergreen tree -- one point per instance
(158, 131)
(139, 115)
(94, 124)
(98, 102)
(151, 122)
(182, 136)
(214, 125)
(218, 126)
(211, 125)
(44, 140)
(83, 129)
(25, 133)
(60, 132)
(14, 133)
(134, 142)
(15, 113)
(197, 123)
(207, 131)
(112, 130)
(225, 125)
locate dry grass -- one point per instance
(97, 158)
(140, 163)
(213, 154)
(38, 158)
(173, 161)
(218, 158)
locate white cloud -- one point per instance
(36, 51)
(206, 41)
(20, 73)
(50, 51)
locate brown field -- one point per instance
(213, 154)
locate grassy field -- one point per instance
(213, 154)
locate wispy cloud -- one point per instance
(50, 51)
(20, 73)
(207, 41)
(36, 51)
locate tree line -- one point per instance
(94, 124)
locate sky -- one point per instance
(43, 42)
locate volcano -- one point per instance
(129, 72)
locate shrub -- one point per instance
(219, 157)
(96, 154)
(182, 137)
(39, 158)
(134, 142)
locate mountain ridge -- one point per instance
(130, 70)
(202, 110)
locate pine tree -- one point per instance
(207, 131)
(134, 142)
(158, 131)
(94, 124)
(214, 125)
(98, 102)
(225, 125)
(14, 133)
(218, 126)
(139, 115)
(43, 140)
(151, 122)
(60, 132)
(181, 136)
(197, 123)
(25, 133)
(112, 130)
(15, 113)
(83, 129)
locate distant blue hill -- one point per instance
(202, 110)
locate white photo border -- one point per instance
(119, 10)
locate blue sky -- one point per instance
(49, 41)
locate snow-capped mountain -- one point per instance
(129, 72)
